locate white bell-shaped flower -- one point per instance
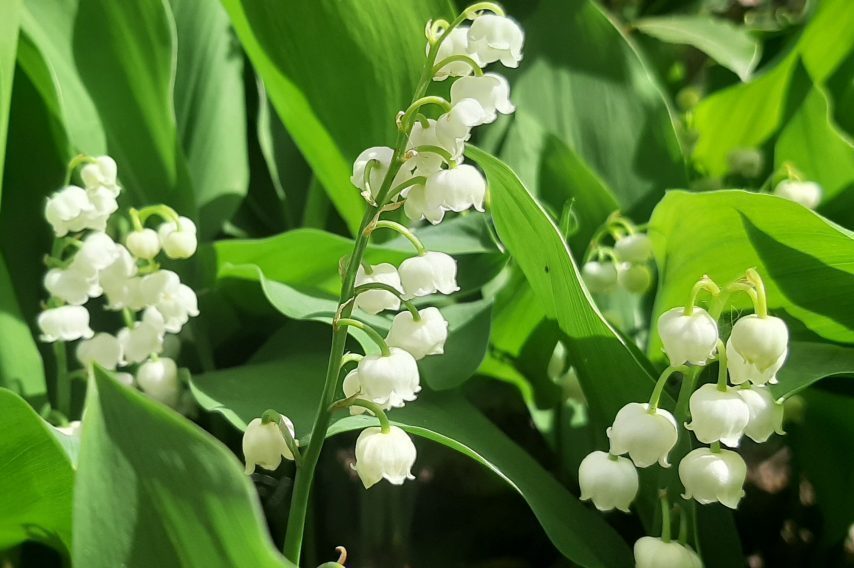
(718, 415)
(103, 349)
(121, 283)
(65, 323)
(391, 379)
(176, 302)
(352, 386)
(456, 189)
(104, 204)
(97, 252)
(144, 339)
(158, 378)
(688, 339)
(634, 278)
(491, 91)
(178, 240)
(456, 124)
(599, 277)
(68, 210)
(710, 477)
(71, 286)
(455, 43)
(496, 38)
(388, 455)
(611, 482)
(383, 156)
(264, 444)
(635, 248)
(144, 243)
(427, 163)
(646, 437)
(375, 301)
(102, 172)
(428, 273)
(766, 414)
(653, 552)
(756, 349)
(807, 193)
(422, 337)
(417, 208)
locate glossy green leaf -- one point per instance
(583, 82)
(730, 45)
(36, 479)
(11, 10)
(291, 44)
(155, 490)
(125, 53)
(210, 110)
(809, 361)
(292, 386)
(804, 259)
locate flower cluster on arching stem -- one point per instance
(426, 176)
(738, 404)
(87, 265)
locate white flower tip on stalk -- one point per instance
(158, 378)
(599, 277)
(382, 156)
(428, 273)
(646, 437)
(384, 455)
(636, 248)
(610, 482)
(103, 349)
(97, 252)
(178, 240)
(416, 208)
(766, 414)
(101, 172)
(65, 323)
(712, 477)
(756, 349)
(175, 301)
(389, 380)
(456, 124)
(264, 444)
(634, 278)
(72, 429)
(456, 189)
(352, 386)
(420, 338)
(68, 210)
(718, 415)
(496, 38)
(375, 301)
(807, 193)
(143, 339)
(455, 43)
(688, 338)
(72, 285)
(144, 244)
(491, 91)
(653, 552)
(427, 163)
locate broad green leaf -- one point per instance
(292, 385)
(21, 368)
(809, 361)
(583, 82)
(210, 110)
(125, 53)
(291, 45)
(730, 45)
(51, 27)
(155, 490)
(11, 10)
(804, 259)
(36, 479)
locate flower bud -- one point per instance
(455, 43)
(746, 162)
(599, 277)
(647, 438)
(388, 455)
(496, 38)
(158, 378)
(652, 552)
(103, 349)
(71, 285)
(636, 248)
(756, 349)
(766, 414)
(178, 240)
(126, 379)
(67, 210)
(491, 91)
(101, 172)
(264, 444)
(420, 338)
(688, 339)
(807, 193)
(375, 301)
(634, 278)
(389, 379)
(428, 273)
(609, 481)
(718, 415)
(65, 323)
(456, 189)
(710, 477)
(143, 244)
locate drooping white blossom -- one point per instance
(427, 163)
(375, 301)
(97, 252)
(264, 444)
(144, 338)
(599, 277)
(807, 193)
(756, 349)
(491, 91)
(635, 248)
(422, 337)
(69, 210)
(120, 282)
(144, 243)
(391, 379)
(610, 482)
(384, 455)
(496, 38)
(718, 415)
(158, 378)
(382, 155)
(101, 172)
(456, 189)
(646, 437)
(427, 274)
(417, 208)
(766, 414)
(688, 338)
(455, 43)
(711, 477)
(352, 386)
(103, 349)
(456, 124)
(71, 285)
(653, 552)
(178, 240)
(175, 301)
(65, 323)
(634, 278)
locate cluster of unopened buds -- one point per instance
(86, 264)
(626, 265)
(739, 403)
(424, 174)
